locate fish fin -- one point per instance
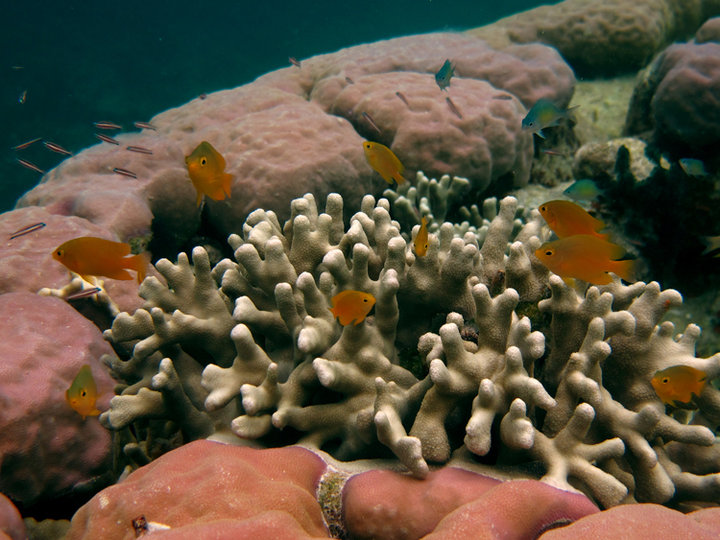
(140, 263)
(227, 183)
(121, 274)
(199, 198)
(625, 269)
(89, 279)
(540, 134)
(399, 178)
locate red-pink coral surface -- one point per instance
(11, 524)
(46, 448)
(641, 522)
(212, 490)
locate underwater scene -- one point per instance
(414, 269)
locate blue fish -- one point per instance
(583, 190)
(543, 114)
(693, 167)
(442, 77)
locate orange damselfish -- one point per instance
(678, 383)
(206, 168)
(384, 161)
(82, 394)
(585, 257)
(90, 256)
(421, 240)
(352, 306)
(566, 218)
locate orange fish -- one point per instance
(678, 383)
(352, 306)
(384, 161)
(82, 393)
(90, 256)
(421, 240)
(585, 257)
(206, 168)
(566, 218)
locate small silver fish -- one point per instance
(124, 172)
(26, 144)
(56, 148)
(105, 138)
(29, 165)
(106, 125)
(140, 149)
(370, 121)
(83, 294)
(144, 125)
(27, 230)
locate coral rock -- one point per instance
(11, 523)
(40, 359)
(207, 487)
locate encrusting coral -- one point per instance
(524, 369)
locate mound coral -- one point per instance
(524, 368)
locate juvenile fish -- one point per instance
(84, 294)
(421, 240)
(444, 74)
(144, 125)
(384, 162)
(56, 148)
(23, 97)
(678, 383)
(351, 307)
(692, 167)
(370, 121)
(402, 98)
(106, 125)
(124, 172)
(140, 149)
(25, 144)
(453, 108)
(294, 61)
(542, 115)
(91, 256)
(349, 80)
(206, 168)
(566, 219)
(583, 190)
(105, 138)
(29, 165)
(27, 230)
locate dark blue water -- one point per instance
(80, 62)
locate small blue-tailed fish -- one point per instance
(583, 190)
(352, 306)
(206, 168)
(542, 115)
(692, 167)
(82, 394)
(443, 76)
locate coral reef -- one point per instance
(615, 36)
(676, 99)
(301, 130)
(40, 358)
(524, 368)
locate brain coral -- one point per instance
(679, 97)
(607, 37)
(300, 130)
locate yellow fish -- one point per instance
(421, 240)
(384, 161)
(352, 306)
(585, 257)
(566, 218)
(678, 383)
(206, 168)
(90, 256)
(82, 393)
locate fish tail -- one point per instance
(399, 178)
(540, 134)
(139, 264)
(625, 269)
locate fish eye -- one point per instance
(543, 208)
(59, 253)
(665, 380)
(548, 252)
(83, 393)
(367, 145)
(365, 300)
(203, 161)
